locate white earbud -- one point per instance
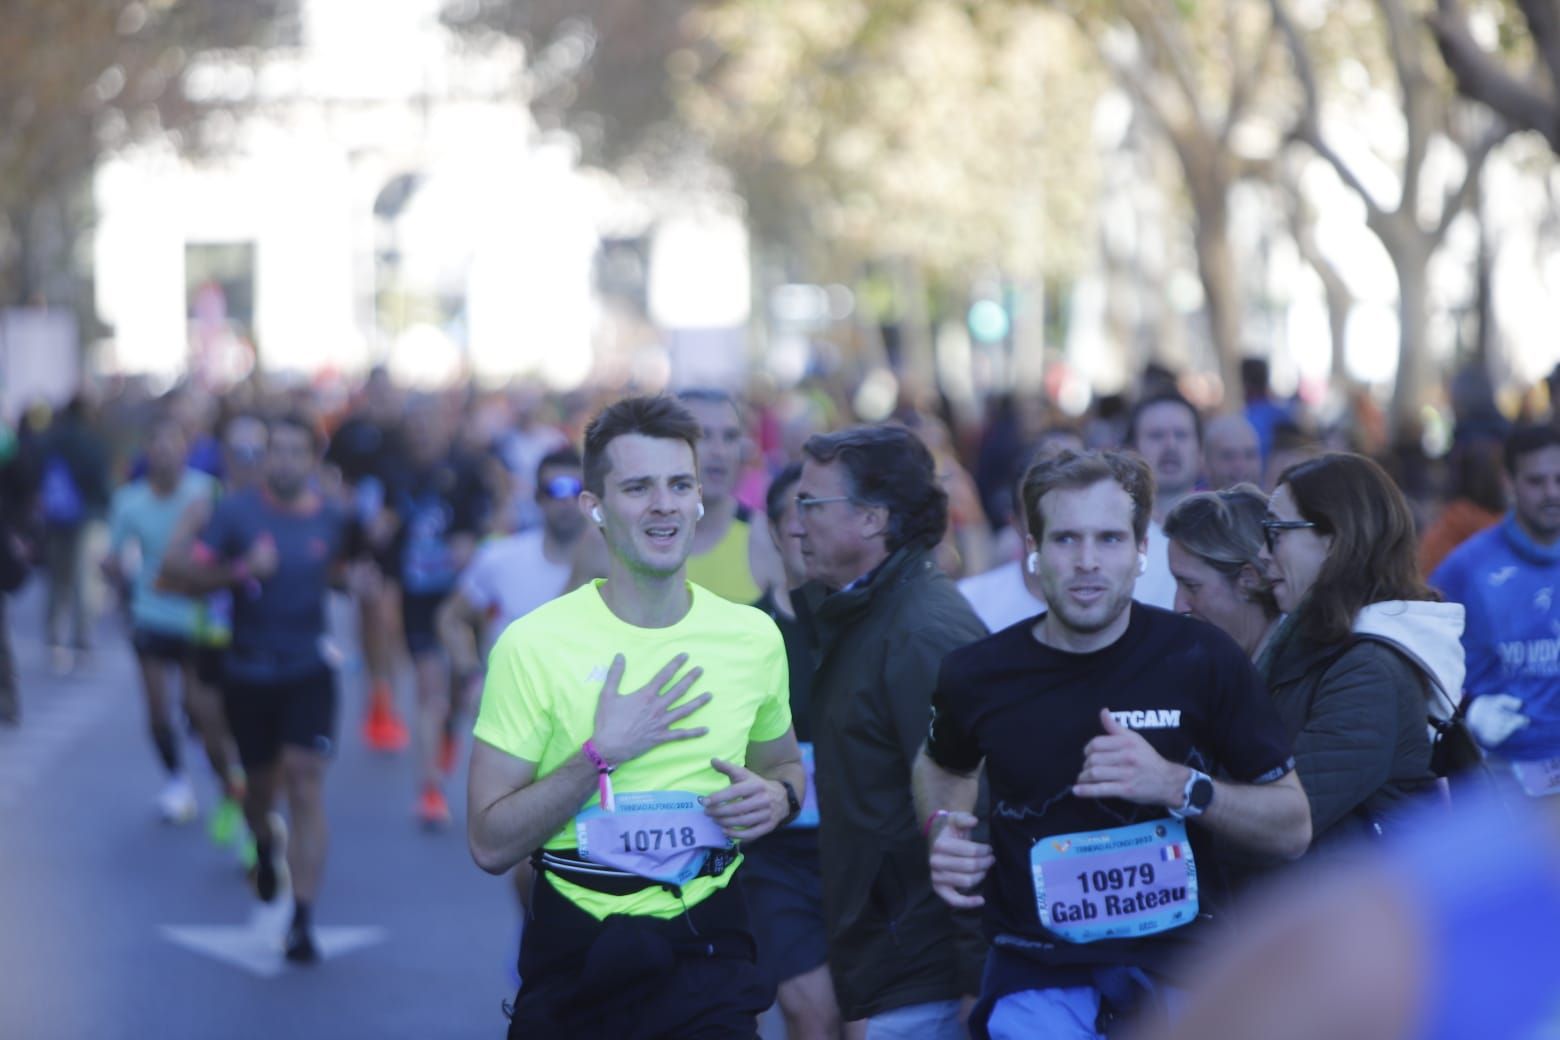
(701, 510)
(1032, 563)
(1142, 563)
(595, 514)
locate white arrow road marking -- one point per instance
(257, 946)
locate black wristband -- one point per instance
(793, 803)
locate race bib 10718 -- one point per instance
(1121, 883)
(662, 835)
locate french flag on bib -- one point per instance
(1171, 852)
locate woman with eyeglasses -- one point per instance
(1367, 648)
(1216, 560)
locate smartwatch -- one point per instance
(793, 804)
(1196, 796)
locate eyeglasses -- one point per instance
(1271, 528)
(560, 488)
(806, 502)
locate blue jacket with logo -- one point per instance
(1510, 586)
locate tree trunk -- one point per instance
(1411, 258)
(1221, 283)
(918, 366)
(1486, 328)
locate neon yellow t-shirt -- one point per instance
(544, 679)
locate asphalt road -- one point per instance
(113, 924)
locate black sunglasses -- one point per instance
(1271, 528)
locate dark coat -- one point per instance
(84, 454)
(1357, 713)
(878, 648)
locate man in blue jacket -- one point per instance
(1508, 578)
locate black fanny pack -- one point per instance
(569, 865)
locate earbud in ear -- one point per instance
(1142, 563)
(595, 514)
(701, 511)
(1032, 563)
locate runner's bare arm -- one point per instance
(510, 814)
(1272, 818)
(755, 802)
(957, 863)
(202, 571)
(458, 623)
(174, 575)
(936, 788)
(763, 557)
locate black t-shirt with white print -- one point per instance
(1027, 710)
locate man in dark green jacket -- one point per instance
(869, 513)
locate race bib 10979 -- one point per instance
(1121, 883)
(1540, 778)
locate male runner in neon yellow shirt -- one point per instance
(633, 821)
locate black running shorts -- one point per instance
(419, 620)
(265, 716)
(162, 646)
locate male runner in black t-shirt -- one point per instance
(1101, 728)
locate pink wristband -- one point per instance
(926, 830)
(603, 775)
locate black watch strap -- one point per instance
(793, 803)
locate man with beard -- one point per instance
(636, 926)
(1099, 727)
(733, 555)
(280, 547)
(1167, 432)
(1508, 579)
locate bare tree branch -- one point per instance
(1543, 19)
(1243, 81)
(1417, 96)
(1149, 21)
(1525, 104)
(1308, 128)
(1460, 198)
(1145, 97)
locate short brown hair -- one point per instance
(1374, 555)
(660, 417)
(1224, 530)
(1074, 470)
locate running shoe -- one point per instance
(432, 809)
(449, 754)
(383, 729)
(270, 871)
(300, 948)
(247, 852)
(177, 802)
(225, 824)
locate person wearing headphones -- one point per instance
(633, 735)
(1117, 739)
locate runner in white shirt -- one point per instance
(512, 576)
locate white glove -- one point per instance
(1494, 717)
